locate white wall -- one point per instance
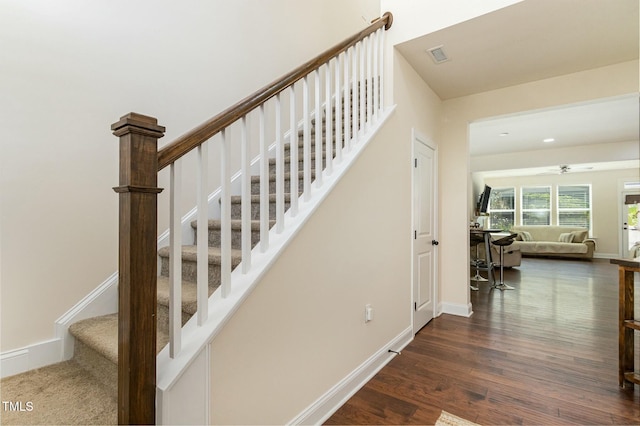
(70, 69)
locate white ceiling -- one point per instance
(602, 121)
(533, 40)
(528, 41)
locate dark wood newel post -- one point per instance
(138, 193)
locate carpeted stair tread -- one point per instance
(287, 149)
(189, 253)
(287, 176)
(101, 335)
(236, 224)
(255, 198)
(189, 294)
(287, 158)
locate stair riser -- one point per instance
(255, 186)
(103, 369)
(313, 154)
(333, 133)
(215, 238)
(189, 271)
(236, 210)
(163, 317)
(333, 122)
(312, 146)
(287, 165)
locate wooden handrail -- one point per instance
(192, 139)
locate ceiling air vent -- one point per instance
(438, 54)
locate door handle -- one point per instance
(434, 242)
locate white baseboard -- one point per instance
(331, 401)
(607, 256)
(103, 300)
(456, 309)
(34, 356)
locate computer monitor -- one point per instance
(483, 202)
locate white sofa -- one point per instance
(554, 241)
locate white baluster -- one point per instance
(246, 198)
(354, 93)
(264, 184)
(202, 235)
(328, 108)
(381, 78)
(347, 100)
(279, 169)
(225, 216)
(293, 152)
(175, 261)
(369, 81)
(338, 109)
(306, 139)
(318, 128)
(376, 74)
(361, 84)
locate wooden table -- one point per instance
(627, 323)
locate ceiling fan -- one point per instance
(565, 168)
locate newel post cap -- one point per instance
(138, 123)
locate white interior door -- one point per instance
(425, 242)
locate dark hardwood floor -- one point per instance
(544, 353)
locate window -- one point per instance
(574, 205)
(536, 205)
(502, 214)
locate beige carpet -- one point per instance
(448, 419)
(60, 394)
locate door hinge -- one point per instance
(415, 162)
(415, 235)
(415, 306)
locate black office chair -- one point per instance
(502, 243)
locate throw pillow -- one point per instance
(580, 236)
(526, 236)
(566, 237)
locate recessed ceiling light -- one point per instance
(548, 140)
(504, 134)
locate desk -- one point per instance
(626, 321)
(486, 237)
